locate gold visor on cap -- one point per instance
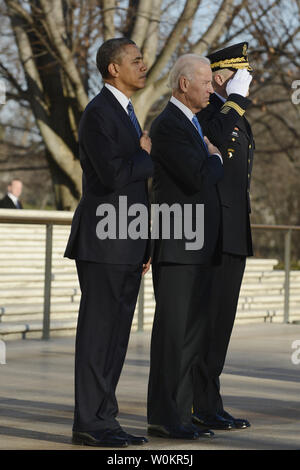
(232, 57)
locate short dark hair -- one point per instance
(111, 51)
(14, 179)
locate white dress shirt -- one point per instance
(189, 114)
(123, 100)
(14, 199)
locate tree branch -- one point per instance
(172, 41)
(143, 16)
(151, 41)
(215, 29)
(57, 32)
(22, 94)
(108, 13)
(59, 150)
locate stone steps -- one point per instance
(22, 260)
(14, 330)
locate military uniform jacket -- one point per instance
(227, 128)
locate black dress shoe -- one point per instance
(133, 440)
(200, 430)
(213, 422)
(172, 432)
(240, 423)
(99, 439)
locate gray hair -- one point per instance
(185, 66)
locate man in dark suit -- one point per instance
(114, 155)
(225, 125)
(186, 170)
(11, 199)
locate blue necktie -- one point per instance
(133, 118)
(196, 123)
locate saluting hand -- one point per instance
(145, 142)
(240, 83)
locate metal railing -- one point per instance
(51, 218)
(288, 229)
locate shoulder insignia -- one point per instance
(231, 104)
(225, 109)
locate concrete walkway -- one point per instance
(260, 382)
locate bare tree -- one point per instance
(57, 40)
(275, 119)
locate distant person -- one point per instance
(14, 191)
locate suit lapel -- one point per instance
(182, 119)
(120, 111)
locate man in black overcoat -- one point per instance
(12, 198)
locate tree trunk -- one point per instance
(66, 195)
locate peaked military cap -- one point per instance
(233, 57)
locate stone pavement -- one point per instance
(260, 382)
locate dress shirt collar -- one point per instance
(189, 114)
(221, 97)
(123, 100)
(13, 198)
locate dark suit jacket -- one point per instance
(7, 203)
(231, 133)
(113, 165)
(184, 174)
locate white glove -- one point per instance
(240, 83)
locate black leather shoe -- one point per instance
(240, 423)
(213, 422)
(99, 439)
(172, 432)
(200, 430)
(133, 440)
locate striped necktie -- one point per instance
(133, 118)
(198, 127)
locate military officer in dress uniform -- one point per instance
(223, 122)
